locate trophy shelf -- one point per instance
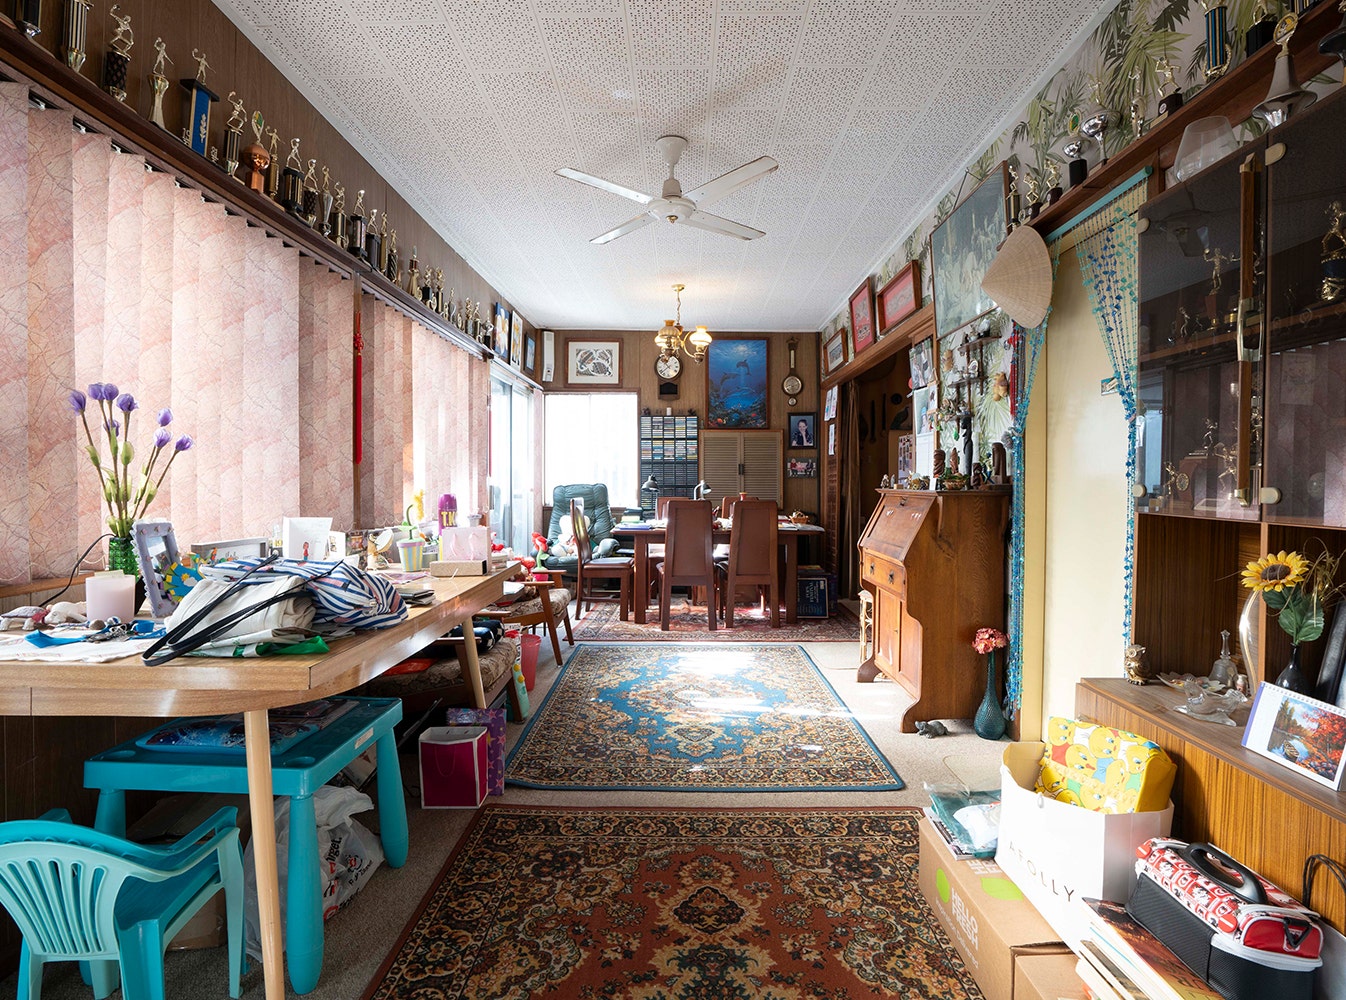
(1234, 95)
(1190, 346)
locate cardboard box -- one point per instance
(1047, 977)
(453, 767)
(987, 918)
(1057, 852)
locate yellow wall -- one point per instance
(1086, 501)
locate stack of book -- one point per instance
(1121, 960)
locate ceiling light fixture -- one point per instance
(672, 339)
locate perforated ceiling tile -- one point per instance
(469, 106)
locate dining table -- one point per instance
(646, 533)
(193, 685)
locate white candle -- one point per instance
(111, 593)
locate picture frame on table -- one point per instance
(801, 468)
(962, 248)
(802, 428)
(834, 351)
(923, 363)
(1304, 734)
(594, 362)
(861, 308)
(737, 392)
(516, 339)
(899, 298)
(157, 553)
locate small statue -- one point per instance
(1053, 182)
(160, 58)
(939, 462)
(999, 464)
(1034, 205)
(293, 161)
(1014, 200)
(256, 157)
(932, 728)
(1334, 255)
(359, 203)
(1182, 326)
(978, 479)
(123, 38)
(918, 483)
(953, 462)
(1137, 665)
(1208, 442)
(414, 273)
(1218, 259)
(1137, 109)
(340, 197)
(239, 117)
(886, 483)
(201, 65)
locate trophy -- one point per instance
(356, 227)
(451, 312)
(256, 156)
(273, 168)
(1096, 125)
(308, 210)
(325, 204)
(117, 60)
(1286, 96)
(28, 14)
(76, 33)
(1334, 42)
(439, 291)
(391, 270)
(292, 181)
(373, 241)
(1053, 182)
(1136, 108)
(233, 135)
(1171, 101)
(1077, 167)
(1217, 259)
(1217, 42)
(1334, 255)
(413, 272)
(1262, 30)
(383, 245)
(196, 105)
(1034, 202)
(427, 292)
(1013, 203)
(338, 228)
(159, 84)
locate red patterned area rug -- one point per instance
(688, 623)
(678, 904)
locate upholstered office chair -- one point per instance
(593, 498)
(83, 896)
(588, 569)
(687, 559)
(753, 560)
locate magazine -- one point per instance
(1139, 954)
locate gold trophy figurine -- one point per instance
(1034, 205)
(76, 33)
(159, 84)
(1015, 204)
(414, 273)
(325, 203)
(1053, 182)
(309, 208)
(338, 225)
(1334, 255)
(273, 164)
(256, 156)
(392, 269)
(233, 136)
(117, 60)
(1170, 99)
(383, 244)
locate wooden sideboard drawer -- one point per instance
(884, 573)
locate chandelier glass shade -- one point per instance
(672, 338)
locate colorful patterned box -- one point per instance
(1104, 770)
(494, 721)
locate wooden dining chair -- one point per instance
(728, 503)
(687, 561)
(754, 557)
(588, 569)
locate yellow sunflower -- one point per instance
(1275, 572)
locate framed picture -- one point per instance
(962, 247)
(802, 427)
(899, 298)
(594, 362)
(500, 332)
(862, 317)
(923, 363)
(802, 468)
(516, 339)
(830, 404)
(834, 351)
(157, 553)
(529, 352)
(736, 384)
(1305, 734)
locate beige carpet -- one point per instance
(360, 936)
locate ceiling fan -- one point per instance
(675, 206)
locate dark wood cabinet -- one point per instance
(935, 565)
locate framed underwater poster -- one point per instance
(962, 248)
(736, 384)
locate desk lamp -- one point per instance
(700, 490)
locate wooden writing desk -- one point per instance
(210, 686)
(642, 538)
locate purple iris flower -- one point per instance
(78, 401)
(112, 427)
(126, 403)
(184, 443)
(165, 417)
(161, 437)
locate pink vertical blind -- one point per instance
(450, 431)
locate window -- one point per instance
(511, 476)
(592, 437)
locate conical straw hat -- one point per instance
(1020, 277)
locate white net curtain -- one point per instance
(115, 274)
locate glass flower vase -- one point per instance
(989, 721)
(121, 554)
(1292, 677)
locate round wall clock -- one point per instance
(668, 367)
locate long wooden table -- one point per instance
(211, 686)
(642, 537)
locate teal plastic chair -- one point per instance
(83, 896)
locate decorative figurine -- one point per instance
(1137, 665)
(1208, 442)
(159, 84)
(309, 209)
(392, 269)
(1217, 259)
(324, 224)
(1217, 42)
(274, 169)
(292, 181)
(1171, 101)
(1034, 204)
(1334, 255)
(1137, 107)
(978, 479)
(382, 263)
(233, 135)
(886, 482)
(1285, 96)
(338, 233)
(939, 462)
(356, 227)
(414, 273)
(196, 105)
(76, 33)
(256, 157)
(117, 59)
(1013, 208)
(999, 464)
(1053, 182)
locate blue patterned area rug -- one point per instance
(670, 718)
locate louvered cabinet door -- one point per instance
(763, 472)
(721, 453)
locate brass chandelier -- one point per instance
(672, 339)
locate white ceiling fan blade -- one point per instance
(604, 185)
(714, 224)
(629, 226)
(727, 184)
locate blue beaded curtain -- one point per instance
(1027, 346)
(1105, 244)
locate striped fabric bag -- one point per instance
(345, 597)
